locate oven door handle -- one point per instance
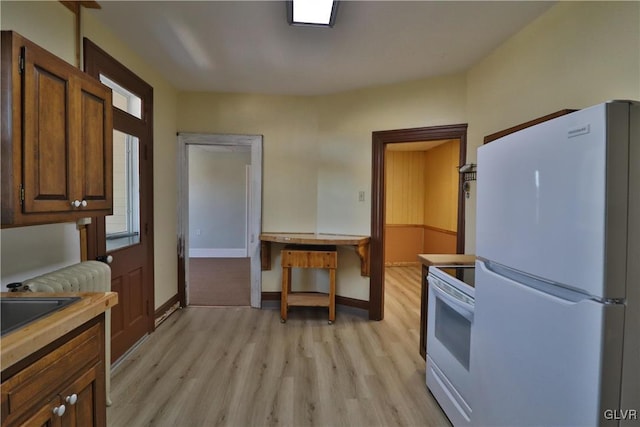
(461, 307)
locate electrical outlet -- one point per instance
(361, 196)
(197, 232)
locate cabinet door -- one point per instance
(96, 136)
(49, 152)
(81, 399)
(44, 417)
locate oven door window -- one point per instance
(453, 330)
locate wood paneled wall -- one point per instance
(441, 186)
(421, 190)
(405, 187)
(437, 241)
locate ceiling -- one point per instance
(248, 46)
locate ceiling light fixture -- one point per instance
(316, 13)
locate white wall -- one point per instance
(217, 200)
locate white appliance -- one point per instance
(556, 334)
(450, 317)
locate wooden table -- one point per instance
(361, 244)
(308, 256)
(429, 260)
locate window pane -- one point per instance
(123, 99)
(123, 227)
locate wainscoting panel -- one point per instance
(403, 243)
(438, 241)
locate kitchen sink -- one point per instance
(18, 312)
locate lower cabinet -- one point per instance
(62, 386)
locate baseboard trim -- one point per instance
(166, 309)
(271, 296)
(218, 253)
(340, 300)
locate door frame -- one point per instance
(254, 206)
(380, 139)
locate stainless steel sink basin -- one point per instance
(18, 312)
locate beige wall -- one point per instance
(576, 55)
(317, 154)
(346, 121)
(51, 25)
(55, 245)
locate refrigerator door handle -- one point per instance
(461, 307)
(556, 290)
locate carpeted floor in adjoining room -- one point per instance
(219, 281)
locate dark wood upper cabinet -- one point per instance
(505, 132)
(57, 138)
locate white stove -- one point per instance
(450, 317)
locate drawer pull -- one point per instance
(59, 410)
(71, 400)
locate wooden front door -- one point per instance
(127, 235)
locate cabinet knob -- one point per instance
(59, 410)
(84, 203)
(71, 400)
(76, 203)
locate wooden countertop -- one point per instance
(22, 342)
(314, 238)
(446, 259)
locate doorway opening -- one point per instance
(421, 200)
(381, 140)
(219, 220)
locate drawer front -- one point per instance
(43, 379)
(309, 259)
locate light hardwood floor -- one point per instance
(210, 366)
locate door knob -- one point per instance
(107, 259)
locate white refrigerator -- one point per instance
(556, 333)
